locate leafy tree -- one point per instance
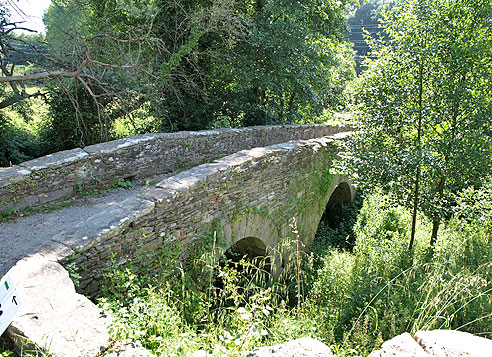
(424, 105)
(294, 63)
(254, 62)
(190, 63)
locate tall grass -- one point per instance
(386, 290)
(357, 287)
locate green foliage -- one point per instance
(5, 348)
(69, 127)
(166, 66)
(364, 20)
(74, 273)
(336, 228)
(20, 140)
(174, 317)
(292, 66)
(424, 105)
(352, 300)
(7, 214)
(474, 205)
(122, 183)
(10, 213)
(386, 290)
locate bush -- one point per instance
(382, 290)
(352, 300)
(18, 141)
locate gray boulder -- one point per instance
(302, 347)
(52, 316)
(450, 343)
(401, 345)
(439, 343)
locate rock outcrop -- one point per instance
(302, 347)
(439, 343)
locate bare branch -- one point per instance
(12, 100)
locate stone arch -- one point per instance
(341, 194)
(254, 235)
(251, 247)
(251, 225)
(341, 190)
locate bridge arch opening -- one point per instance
(251, 248)
(249, 258)
(342, 194)
(337, 220)
(253, 251)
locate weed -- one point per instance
(10, 213)
(151, 182)
(54, 206)
(74, 273)
(85, 191)
(122, 183)
(189, 143)
(7, 214)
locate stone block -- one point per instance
(107, 223)
(53, 317)
(12, 175)
(128, 349)
(56, 195)
(401, 345)
(302, 347)
(55, 160)
(116, 145)
(25, 201)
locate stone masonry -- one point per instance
(252, 193)
(66, 174)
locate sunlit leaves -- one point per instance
(447, 45)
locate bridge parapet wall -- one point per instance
(253, 192)
(67, 174)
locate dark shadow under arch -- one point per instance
(338, 219)
(250, 247)
(342, 194)
(248, 256)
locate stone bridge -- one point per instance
(246, 200)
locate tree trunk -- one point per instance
(440, 187)
(437, 218)
(435, 228)
(419, 153)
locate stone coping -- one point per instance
(66, 174)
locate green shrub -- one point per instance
(352, 300)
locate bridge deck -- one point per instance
(27, 235)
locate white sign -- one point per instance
(9, 302)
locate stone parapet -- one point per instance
(252, 193)
(249, 196)
(67, 174)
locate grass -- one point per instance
(357, 287)
(10, 214)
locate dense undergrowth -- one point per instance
(356, 287)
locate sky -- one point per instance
(30, 11)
